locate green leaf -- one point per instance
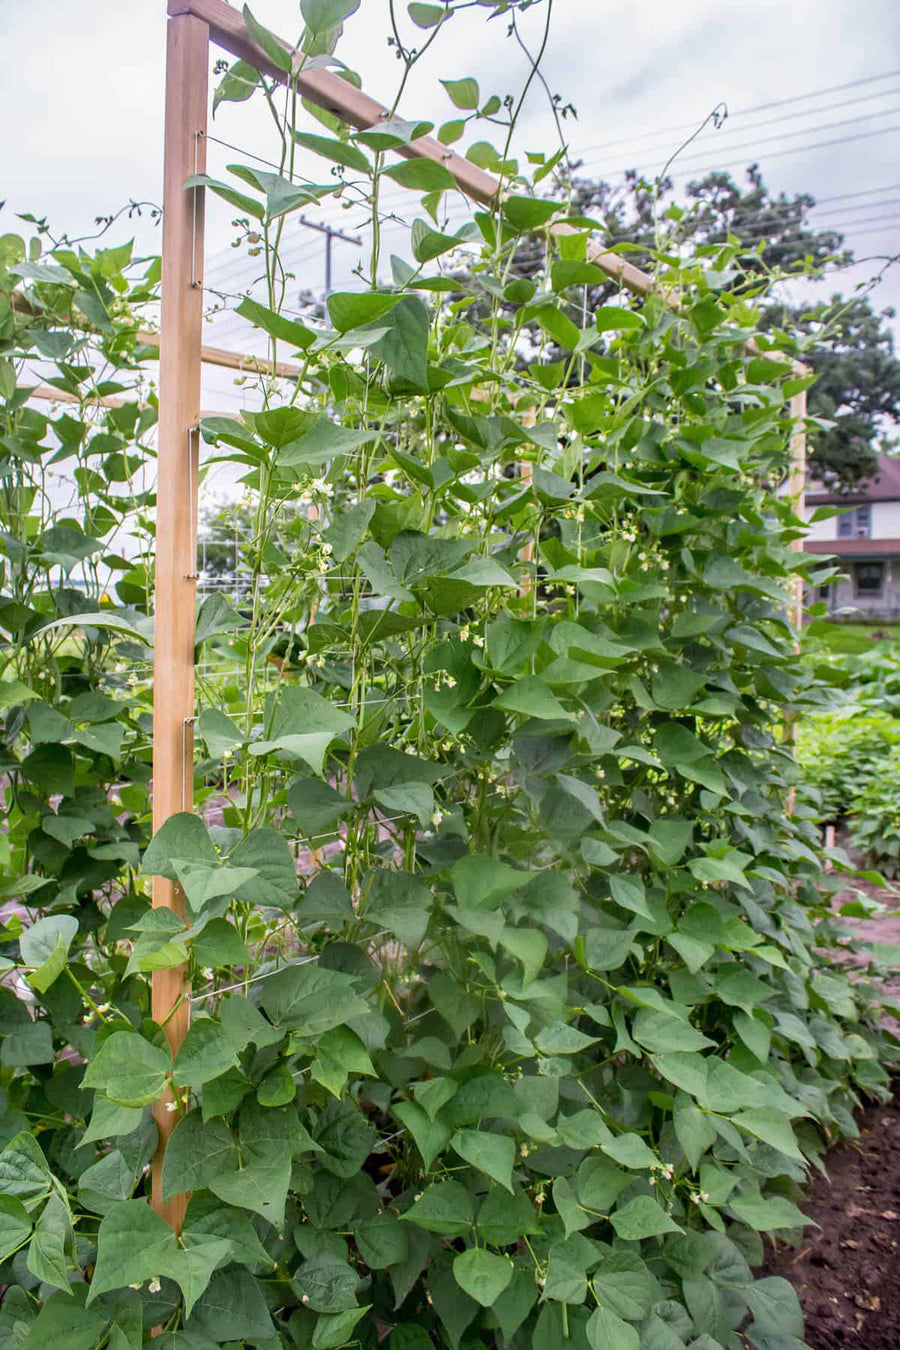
(267, 855)
(24, 1174)
(383, 1241)
(766, 1213)
(527, 945)
(451, 131)
(324, 441)
(205, 1053)
(431, 1136)
(101, 620)
(493, 1154)
(64, 1323)
(481, 882)
(404, 347)
(134, 1244)
(396, 900)
(128, 1069)
(348, 528)
(339, 152)
(561, 1039)
(623, 1284)
(52, 1244)
(565, 273)
(529, 213)
(237, 85)
(444, 1208)
(772, 1127)
(630, 1151)
(531, 697)
(662, 1033)
(202, 883)
(218, 944)
(320, 16)
(640, 1218)
(605, 1330)
(29, 1044)
(233, 1308)
(239, 200)
(308, 1000)
(353, 309)
(277, 53)
(335, 1329)
(415, 799)
(482, 1274)
(45, 945)
(428, 244)
(276, 325)
(421, 175)
(196, 1154)
(15, 1225)
(426, 16)
(463, 93)
(615, 319)
(182, 836)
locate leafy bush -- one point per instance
(842, 751)
(876, 815)
(541, 1038)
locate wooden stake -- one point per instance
(797, 490)
(187, 63)
(797, 493)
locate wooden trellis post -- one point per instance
(187, 63)
(797, 488)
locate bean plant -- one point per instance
(514, 1022)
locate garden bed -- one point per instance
(846, 1272)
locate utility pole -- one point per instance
(330, 233)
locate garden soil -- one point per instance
(847, 1271)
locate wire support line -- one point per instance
(213, 992)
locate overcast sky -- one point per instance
(81, 89)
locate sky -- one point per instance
(82, 87)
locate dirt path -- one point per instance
(847, 1271)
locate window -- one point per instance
(824, 593)
(856, 524)
(869, 578)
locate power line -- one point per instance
(768, 140)
(795, 150)
(865, 192)
(862, 206)
(753, 126)
(759, 107)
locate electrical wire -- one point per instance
(759, 107)
(768, 140)
(794, 150)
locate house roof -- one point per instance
(854, 548)
(884, 486)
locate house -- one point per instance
(865, 540)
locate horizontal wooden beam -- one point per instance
(228, 30)
(220, 356)
(210, 356)
(47, 394)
